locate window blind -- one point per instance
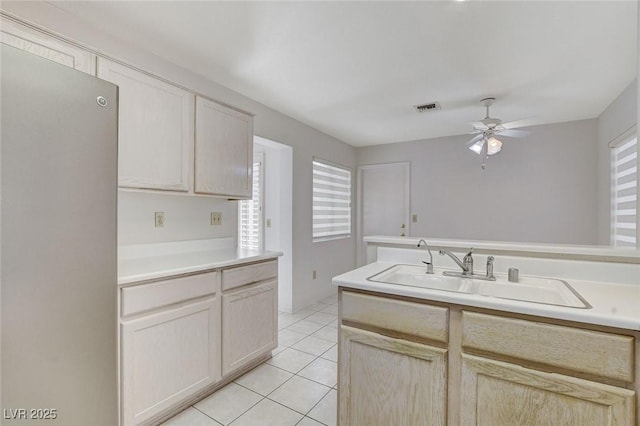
(331, 201)
(625, 194)
(250, 213)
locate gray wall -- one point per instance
(537, 189)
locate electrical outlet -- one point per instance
(414, 218)
(216, 218)
(314, 275)
(159, 219)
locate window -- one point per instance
(624, 156)
(250, 211)
(331, 201)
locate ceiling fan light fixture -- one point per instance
(477, 147)
(493, 146)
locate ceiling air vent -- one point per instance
(433, 106)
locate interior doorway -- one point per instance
(277, 211)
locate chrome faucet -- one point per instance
(430, 262)
(466, 264)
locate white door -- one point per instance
(383, 203)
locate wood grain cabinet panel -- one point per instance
(249, 324)
(46, 46)
(223, 150)
(167, 357)
(497, 393)
(492, 369)
(155, 130)
(596, 353)
(146, 297)
(387, 381)
(243, 275)
(426, 321)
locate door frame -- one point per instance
(361, 250)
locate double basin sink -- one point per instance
(549, 291)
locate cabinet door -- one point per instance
(499, 393)
(249, 324)
(167, 357)
(47, 46)
(155, 130)
(224, 150)
(386, 381)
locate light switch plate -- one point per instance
(159, 219)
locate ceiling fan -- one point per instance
(485, 142)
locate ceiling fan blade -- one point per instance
(525, 122)
(474, 140)
(514, 133)
(479, 126)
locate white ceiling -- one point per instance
(355, 69)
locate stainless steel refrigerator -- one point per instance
(58, 253)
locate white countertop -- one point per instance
(134, 269)
(613, 305)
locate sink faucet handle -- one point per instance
(490, 275)
(467, 260)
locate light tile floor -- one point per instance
(295, 387)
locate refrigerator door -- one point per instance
(58, 252)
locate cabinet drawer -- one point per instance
(236, 277)
(429, 322)
(592, 352)
(145, 297)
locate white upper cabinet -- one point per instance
(47, 46)
(155, 130)
(223, 150)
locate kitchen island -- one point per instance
(415, 355)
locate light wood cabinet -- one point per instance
(47, 46)
(249, 324)
(223, 150)
(500, 368)
(162, 144)
(170, 343)
(387, 381)
(167, 357)
(501, 393)
(155, 130)
(182, 338)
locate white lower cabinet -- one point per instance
(388, 381)
(183, 337)
(249, 324)
(168, 356)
